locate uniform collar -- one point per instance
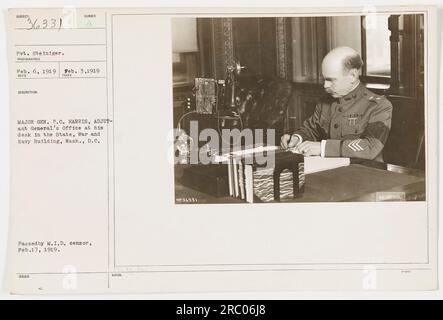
(353, 94)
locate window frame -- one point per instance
(369, 79)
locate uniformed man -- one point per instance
(350, 121)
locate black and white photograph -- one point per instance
(299, 109)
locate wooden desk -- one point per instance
(361, 181)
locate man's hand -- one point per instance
(288, 141)
(309, 148)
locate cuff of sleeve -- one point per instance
(333, 148)
(323, 148)
(300, 139)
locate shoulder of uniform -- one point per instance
(376, 98)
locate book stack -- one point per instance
(281, 178)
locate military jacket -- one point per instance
(356, 125)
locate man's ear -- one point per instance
(354, 74)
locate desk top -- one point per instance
(361, 181)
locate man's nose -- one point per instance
(326, 84)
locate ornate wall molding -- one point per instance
(282, 48)
(223, 45)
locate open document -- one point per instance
(131, 138)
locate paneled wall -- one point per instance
(261, 45)
(251, 41)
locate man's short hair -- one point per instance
(352, 61)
